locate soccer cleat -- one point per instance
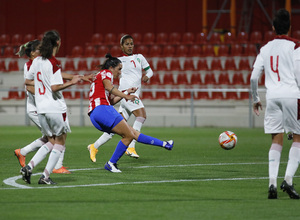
(61, 170)
(20, 157)
(112, 167)
(48, 181)
(93, 151)
(289, 189)
(169, 145)
(272, 192)
(131, 152)
(26, 173)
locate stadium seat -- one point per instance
(224, 79)
(182, 79)
(296, 34)
(268, 36)
(12, 94)
(202, 65)
(110, 39)
(196, 79)
(236, 50)
(231, 95)
(40, 37)
(181, 51)
(209, 79)
(244, 64)
(147, 95)
(94, 64)
(175, 65)
(2, 66)
(223, 50)
(89, 51)
(144, 50)
(202, 95)
(67, 95)
(242, 38)
(13, 65)
(137, 38)
(82, 65)
(148, 39)
(77, 95)
(102, 51)
(155, 51)
(188, 65)
(161, 65)
(28, 37)
(155, 80)
(229, 38)
(77, 51)
(215, 39)
(216, 64)
(217, 95)
(22, 95)
(256, 37)
(16, 40)
(188, 38)
(168, 79)
(97, 39)
(230, 63)
(201, 38)
(187, 95)
(238, 79)
(69, 65)
(161, 95)
(195, 51)
(208, 51)
(4, 40)
(162, 38)
(174, 38)
(244, 95)
(175, 95)
(250, 50)
(168, 51)
(8, 52)
(115, 51)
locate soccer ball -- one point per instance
(227, 140)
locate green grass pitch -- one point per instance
(196, 180)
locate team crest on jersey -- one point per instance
(139, 60)
(136, 101)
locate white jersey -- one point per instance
(132, 72)
(277, 58)
(47, 72)
(30, 102)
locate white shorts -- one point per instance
(127, 107)
(54, 124)
(282, 115)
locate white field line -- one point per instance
(12, 180)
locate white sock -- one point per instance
(103, 139)
(274, 161)
(60, 161)
(137, 125)
(53, 158)
(293, 163)
(32, 146)
(40, 155)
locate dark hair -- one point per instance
(27, 48)
(125, 37)
(110, 62)
(48, 43)
(282, 22)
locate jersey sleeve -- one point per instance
(144, 63)
(297, 65)
(56, 78)
(30, 73)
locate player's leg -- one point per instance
(93, 148)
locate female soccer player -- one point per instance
(280, 59)
(132, 75)
(104, 116)
(51, 106)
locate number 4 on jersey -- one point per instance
(272, 66)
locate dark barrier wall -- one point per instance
(77, 20)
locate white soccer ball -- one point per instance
(227, 140)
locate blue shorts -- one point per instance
(105, 118)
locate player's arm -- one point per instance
(112, 90)
(149, 74)
(30, 89)
(254, 90)
(73, 81)
(68, 76)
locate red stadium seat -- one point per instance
(13, 65)
(268, 36)
(175, 95)
(161, 95)
(155, 80)
(224, 79)
(231, 95)
(201, 38)
(209, 79)
(195, 51)
(238, 79)
(242, 38)
(137, 38)
(82, 65)
(202, 65)
(115, 51)
(168, 51)
(67, 95)
(217, 95)
(215, 38)
(155, 51)
(196, 79)
(175, 65)
(244, 95)
(250, 50)
(296, 34)
(168, 79)
(94, 64)
(208, 51)
(77, 95)
(223, 50)
(12, 94)
(236, 50)
(174, 38)
(256, 37)
(162, 38)
(187, 95)
(40, 37)
(216, 64)
(97, 39)
(188, 38)
(181, 51)
(102, 51)
(8, 52)
(147, 95)
(28, 37)
(110, 39)
(244, 64)
(202, 95)
(148, 38)
(77, 51)
(2, 66)
(161, 65)
(229, 38)
(188, 65)
(182, 79)
(230, 64)
(89, 51)
(4, 40)
(16, 40)
(69, 65)
(142, 49)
